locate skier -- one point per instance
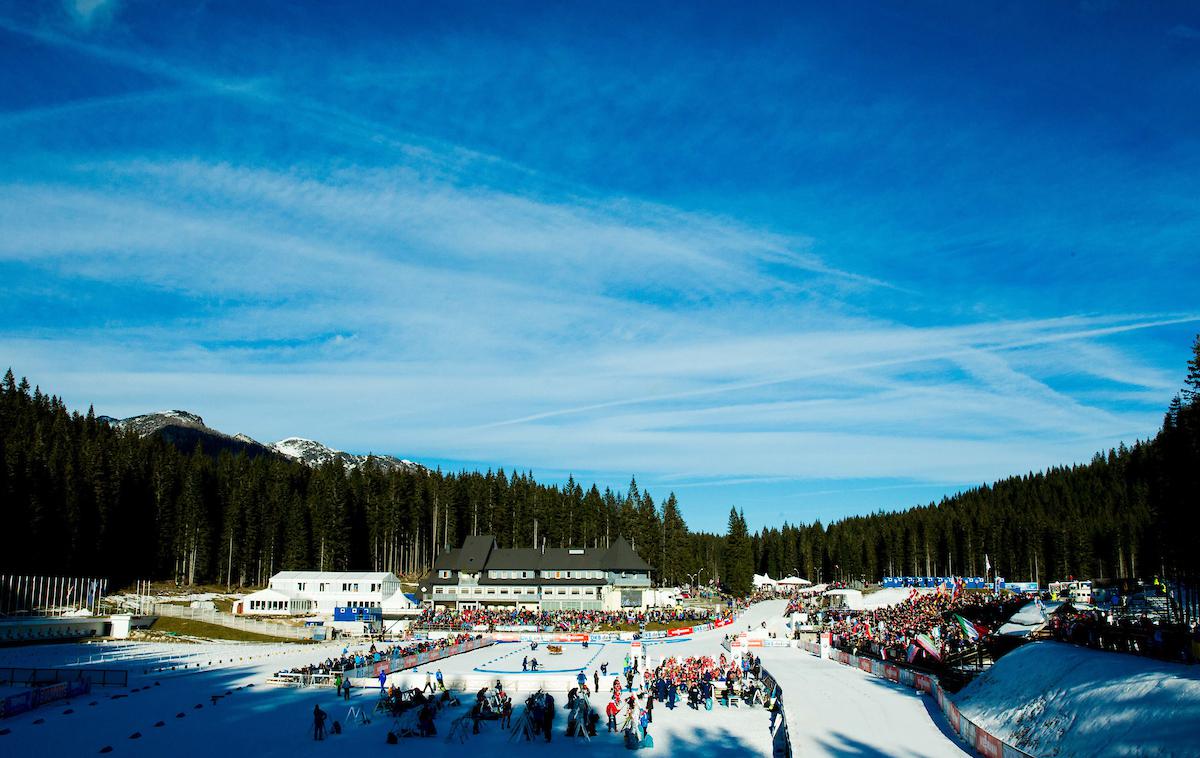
(440, 682)
(596, 679)
(337, 681)
(346, 689)
(525, 663)
(382, 681)
(428, 683)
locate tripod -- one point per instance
(524, 727)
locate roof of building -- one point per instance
(271, 593)
(480, 553)
(335, 576)
(621, 557)
(515, 558)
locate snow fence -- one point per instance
(985, 744)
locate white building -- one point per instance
(480, 574)
(300, 593)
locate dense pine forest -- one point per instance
(80, 497)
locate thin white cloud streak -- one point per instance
(101, 103)
(936, 354)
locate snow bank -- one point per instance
(1052, 699)
(1028, 619)
(885, 597)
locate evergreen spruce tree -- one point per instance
(738, 576)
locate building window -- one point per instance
(321, 587)
(444, 574)
(300, 586)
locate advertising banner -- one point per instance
(987, 745)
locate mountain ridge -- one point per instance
(185, 429)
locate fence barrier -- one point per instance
(33, 677)
(32, 698)
(230, 621)
(782, 742)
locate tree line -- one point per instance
(1133, 512)
(81, 497)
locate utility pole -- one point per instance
(229, 572)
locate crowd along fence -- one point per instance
(399, 662)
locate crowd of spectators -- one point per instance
(891, 632)
(348, 660)
(558, 621)
(1143, 635)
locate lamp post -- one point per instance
(692, 578)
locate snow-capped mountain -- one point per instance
(152, 422)
(313, 453)
(185, 430)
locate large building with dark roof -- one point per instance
(482, 575)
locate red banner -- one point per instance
(892, 672)
(987, 745)
(570, 638)
(678, 632)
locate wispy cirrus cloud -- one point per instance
(767, 278)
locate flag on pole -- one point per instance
(926, 642)
(987, 564)
(912, 652)
(972, 631)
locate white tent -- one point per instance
(794, 581)
(399, 604)
(762, 580)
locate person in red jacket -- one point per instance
(611, 712)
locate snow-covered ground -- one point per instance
(1028, 619)
(1049, 698)
(836, 710)
(832, 710)
(888, 596)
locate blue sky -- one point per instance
(807, 259)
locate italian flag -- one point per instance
(972, 631)
(931, 647)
